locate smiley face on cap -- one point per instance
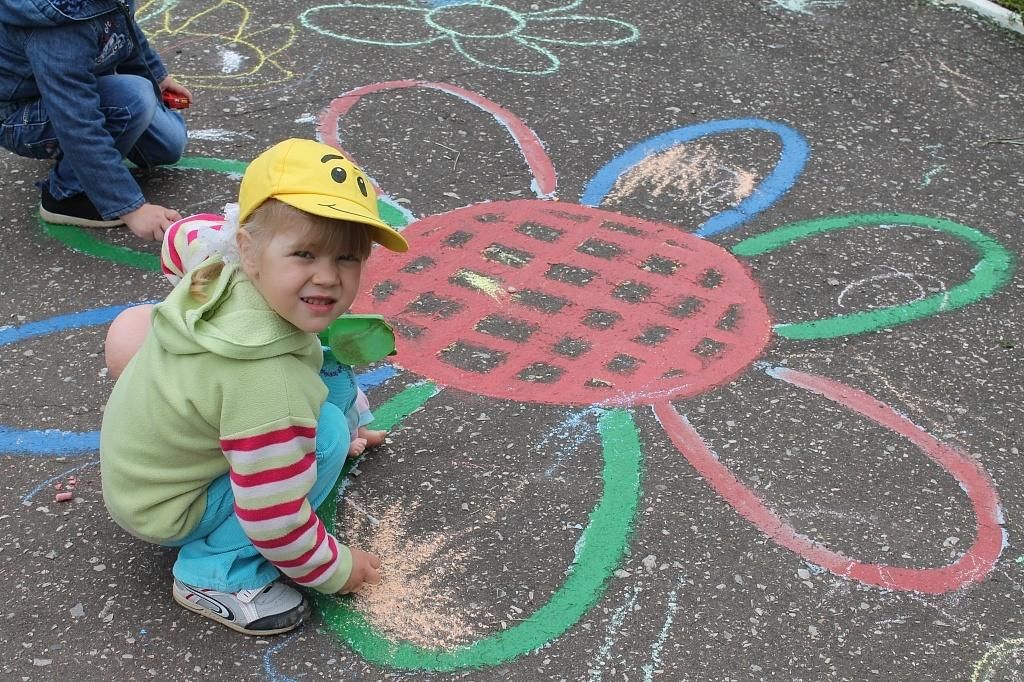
(317, 179)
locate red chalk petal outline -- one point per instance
(544, 181)
(973, 566)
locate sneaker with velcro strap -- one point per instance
(269, 610)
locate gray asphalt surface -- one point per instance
(776, 502)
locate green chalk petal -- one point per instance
(599, 551)
(994, 268)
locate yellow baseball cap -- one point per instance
(317, 179)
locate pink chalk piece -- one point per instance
(64, 497)
(57, 486)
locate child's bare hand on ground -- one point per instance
(372, 437)
(150, 220)
(365, 570)
(367, 439)
(356, 447)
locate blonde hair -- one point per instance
(327, 234)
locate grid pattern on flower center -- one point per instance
(558, 303)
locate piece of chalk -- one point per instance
(64, 497)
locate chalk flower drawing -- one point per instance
(245, 59)
(551, 302)
(489, 34)
(533, 300)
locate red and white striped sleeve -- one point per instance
(271, 475)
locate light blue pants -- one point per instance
(218, 554)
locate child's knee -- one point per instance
(169, 135)
(128, 92)
(125, 337)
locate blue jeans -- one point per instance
(218, 554)
(143, 129)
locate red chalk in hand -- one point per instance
(175, 101)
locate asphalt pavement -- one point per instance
(709, 361)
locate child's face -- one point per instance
(301, 281)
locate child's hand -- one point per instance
(365, 569)
(367, 439)
(356, 447)
(170, 85)
(149, 221)
(372, 437)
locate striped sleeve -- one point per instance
(271, 475)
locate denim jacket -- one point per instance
(54, 50)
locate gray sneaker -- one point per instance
(269, 610)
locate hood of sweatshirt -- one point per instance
(45, 13)
(235, 322)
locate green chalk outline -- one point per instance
(599, 551)
(84, 240)
(994, 268)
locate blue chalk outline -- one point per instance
(53, 442)
(57, 443)
(27, 499)
(795, 152)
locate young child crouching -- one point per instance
(217, 438)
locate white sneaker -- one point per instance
(269, 610)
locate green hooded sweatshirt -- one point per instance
(228, 370)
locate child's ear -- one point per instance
(246, 252)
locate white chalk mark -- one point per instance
(573, 425)
(370, 517)
(216, 135)
(230, 60)
(612, 632)
(659, 644)
(908, 277)
(804, 6)
(927, 179)
(960, 84)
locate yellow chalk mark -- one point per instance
(998, 662)
(248, 57)
(487, 285)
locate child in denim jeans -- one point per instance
(80, 84)
(219, 437)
